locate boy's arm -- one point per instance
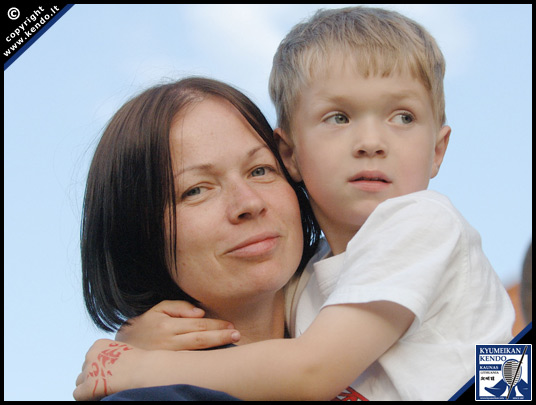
(176, 325)
(340, 344)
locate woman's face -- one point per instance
(239, 232)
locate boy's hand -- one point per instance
(106, 370)
(176, 325)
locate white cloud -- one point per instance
(238, 28)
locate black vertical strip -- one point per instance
(25, 24)
(516, 373)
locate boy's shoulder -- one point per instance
(423, 212)
(421, 201)
(424, 196)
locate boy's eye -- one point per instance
(338, 119)
(404, 118)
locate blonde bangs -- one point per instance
(376, 42)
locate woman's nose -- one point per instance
(245, 203)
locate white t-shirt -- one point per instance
(416, 250)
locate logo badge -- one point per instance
(503, 372)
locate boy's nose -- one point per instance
(369, 142)
(370, 151)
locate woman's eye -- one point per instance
(338, 119)
(192, 192)
(404, 118)
(259, 171)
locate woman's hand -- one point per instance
(106, 370)
(176, 325)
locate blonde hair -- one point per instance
(377, 41)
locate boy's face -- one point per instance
(358, 141)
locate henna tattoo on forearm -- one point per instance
(105, 359)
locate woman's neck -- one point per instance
(259, 320)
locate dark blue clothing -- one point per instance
(178, 392)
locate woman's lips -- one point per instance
(258, 245)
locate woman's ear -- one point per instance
(286, 150)
(440, 148)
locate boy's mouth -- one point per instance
(370, 181)
(372, 175)
(362, 178)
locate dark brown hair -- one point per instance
(130, 183)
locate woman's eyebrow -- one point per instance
(200, 167)
(253, 151)
(206, 167)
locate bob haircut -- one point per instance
(373, 40)
(125, 247)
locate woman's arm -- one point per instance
(340, 344)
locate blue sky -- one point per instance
(60, 93)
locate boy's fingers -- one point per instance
(192, 325)
(179, 309)
(205, 340)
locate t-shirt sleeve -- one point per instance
(403, 253)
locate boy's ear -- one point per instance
(286, 150)
(440, 148)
